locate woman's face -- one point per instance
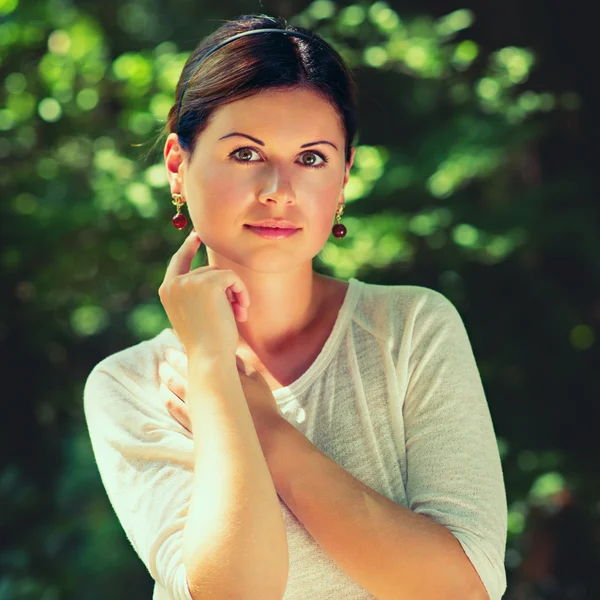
(275, 178)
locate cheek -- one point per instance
(214, 202)
(321, 217)
(220, 186)
(326, 201)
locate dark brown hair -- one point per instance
(254, 63)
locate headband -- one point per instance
(235, 37)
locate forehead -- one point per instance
(283, 111)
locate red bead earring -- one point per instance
(179, 220)
(339, 230)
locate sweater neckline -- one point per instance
(329, 348)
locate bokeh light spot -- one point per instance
(50, 110)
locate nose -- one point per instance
(277, 188)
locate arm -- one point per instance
(454, 472)
(449, 543)
(150, 469)
(236, 535)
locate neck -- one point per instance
(283, 305)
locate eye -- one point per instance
(238, 150)
(323, 157)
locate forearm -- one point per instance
(390, 550)
(235, 543)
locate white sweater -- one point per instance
(394, 397)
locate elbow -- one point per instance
(458, 586)
(480, 593)
(233, 595)
(470, 583)
(274, 590)
(476, 591)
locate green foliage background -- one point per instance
(447, 191)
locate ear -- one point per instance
(174, 163)
(347, 173)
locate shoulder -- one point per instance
(400, 294)
(128, 380)
(399, 315)
(135, 359)
(402, 303)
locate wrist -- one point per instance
(202, 359)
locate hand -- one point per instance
(202, 304)
(174, 386)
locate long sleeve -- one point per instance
(145, 462)
(454, 473)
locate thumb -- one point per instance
(182, 259)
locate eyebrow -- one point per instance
(262, 143)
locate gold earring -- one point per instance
(339, 230)
(179, 220)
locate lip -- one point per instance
(272, 233)
(274, 223)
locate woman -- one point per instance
(303, 437)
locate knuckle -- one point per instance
(188, 283)
(163, 368)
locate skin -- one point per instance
(286, 294)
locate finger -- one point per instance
(229, 279)
(235, 285)
(240, 305)
(182, 259)
(177, 359)
(243, 298)
(241, 313)
(175, 382)
(234, 305)
(176, 407)
(241, 365)
(240, 294)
